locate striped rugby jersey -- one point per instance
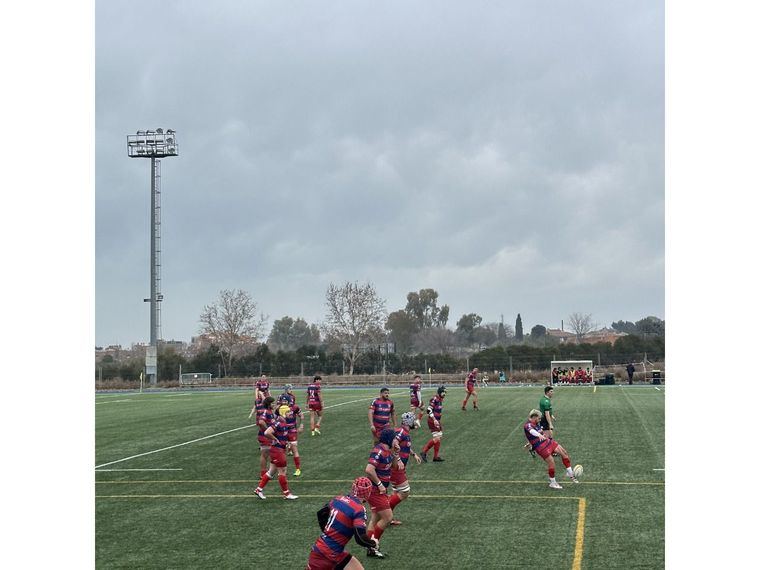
(346, 514)
(405, 443)
(436, 405)
(381, 412)
(381, 459)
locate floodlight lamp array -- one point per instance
(152, 144)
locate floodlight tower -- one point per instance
(154, 145)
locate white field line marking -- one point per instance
(215, 435)
(658, 469)
(656, 388)
(157, 469)
(112, 402)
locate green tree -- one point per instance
(169, 363)
(288, 334)
(402, 329)
(468, 323)
(625, 326)
(518, 329)
(423, 308)
(651, 326)
(537, 332)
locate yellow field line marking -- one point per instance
(594, 388)
(579, 532)
(309, 481)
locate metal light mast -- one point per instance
(154, 145)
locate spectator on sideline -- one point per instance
(630, 369)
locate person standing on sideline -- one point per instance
(630, 369)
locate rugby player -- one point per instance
(415, 398)
(434, 411)
(547, 414)
(399, 481)
(545, 447)
(382, 459)
(264, 419)
(340, 519)
(381, 413)
(314, 401)
(262, 387)
(470, 385)
(295, 426)
(277, 434)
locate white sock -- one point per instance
(552, 480)
(570, 472)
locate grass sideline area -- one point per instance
(170, 496)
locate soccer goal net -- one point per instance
(193, 378)
(572, 372)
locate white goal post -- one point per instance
(194, 378)
(566, 372)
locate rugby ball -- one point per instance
(578, 470)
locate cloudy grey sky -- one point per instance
(507, 154)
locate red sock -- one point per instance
(264, 480)
(566, 461)
(464, 403)
(395, 500)
(378, 532)
(262, 472)
(297, 459)
(551, 472)
(283, 483)
(428, 445)
(437, 447)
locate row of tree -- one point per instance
(309, 360)
(356, 323)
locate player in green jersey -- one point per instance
(547, 414)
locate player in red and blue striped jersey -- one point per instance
(415, 398)
(381, 413)
(262, 387)
(277, 434)
(314, 402)
(470, 386)
(382, 459)
(399, 481)
(295, 426)
(264, 419)
(340, 519)
(287, 397)
(434, 411)
(545, 447)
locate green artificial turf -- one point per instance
(487, 506)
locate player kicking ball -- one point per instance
(545, 446)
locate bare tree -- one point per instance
(232, 324)
(580, 324)
(355, 316)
